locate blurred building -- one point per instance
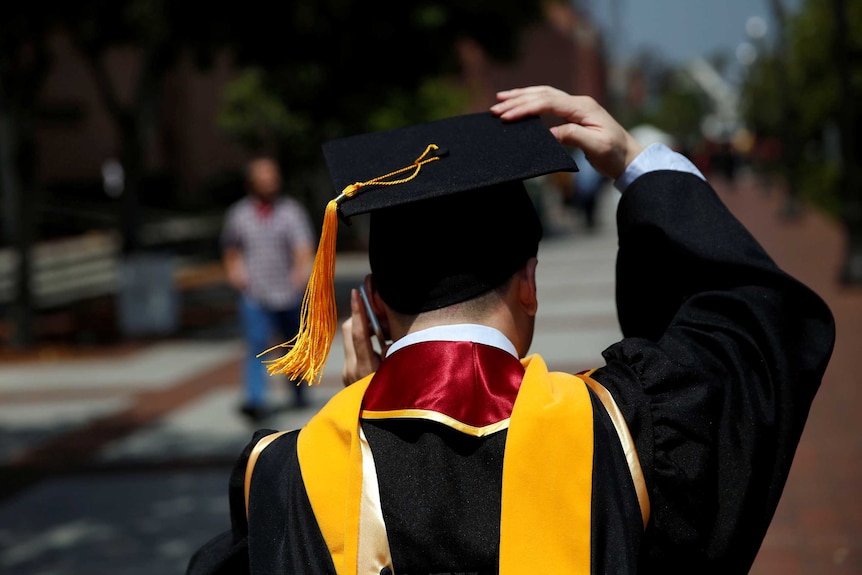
(565, 50)
(76, 135)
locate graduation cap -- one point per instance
(450, 218)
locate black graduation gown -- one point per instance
(721, 358)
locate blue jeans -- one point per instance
(260, 327)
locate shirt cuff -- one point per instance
(655, 157)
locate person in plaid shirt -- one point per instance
(268, 250)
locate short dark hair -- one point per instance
(438, 252)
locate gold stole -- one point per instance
(547, 478)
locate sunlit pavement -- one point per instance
(118, 463)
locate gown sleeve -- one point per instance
(721, 358)
(227, 553)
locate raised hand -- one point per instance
(607, 145)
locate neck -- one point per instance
(511, 310)
(501, 321)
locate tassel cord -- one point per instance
(309, 349)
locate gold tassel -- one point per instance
(318, 320)
(318, 316)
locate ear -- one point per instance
(378, 306)
(527, 292)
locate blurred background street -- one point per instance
(126, 129)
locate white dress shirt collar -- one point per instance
(458, 332)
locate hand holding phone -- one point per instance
(372, 319)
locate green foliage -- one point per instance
(678, 108)
(254, 116)
(819, 182)
(341, 67)
(760, 94)
(795, 95)
(334, 68)
(680, 111)
(435, 98)
(160, 28)
(319, 70)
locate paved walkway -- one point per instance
(117, 461)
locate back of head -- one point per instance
(434, 253)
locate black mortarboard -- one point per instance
(476, 151)
(450, 218)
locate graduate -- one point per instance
(455, 449)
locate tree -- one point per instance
(848, 59)
(671, 100)
(679, 109)
(24, 63)
(804, 95)
(159, 32)
(341, 67)
(254, 116)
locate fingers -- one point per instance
(587, 124)
(523, 102)
(361, 335)
(359, 356)
(608, 150)
(574, 135)
(537, 100)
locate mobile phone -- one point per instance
(372, 318)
